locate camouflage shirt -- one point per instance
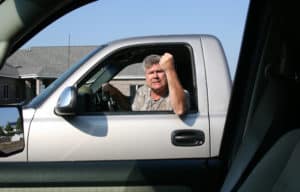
(143, 102)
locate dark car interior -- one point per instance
(261, 143)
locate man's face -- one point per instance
(156, 78)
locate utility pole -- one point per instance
(69, 49)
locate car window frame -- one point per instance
(104, 64)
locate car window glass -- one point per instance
(62, 44)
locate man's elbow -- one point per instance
(180, 111)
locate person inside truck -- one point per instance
(162, 91)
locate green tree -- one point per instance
(1, 131)
(9, 129)
(19, 127)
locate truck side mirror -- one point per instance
(66, 104)
(11, 130)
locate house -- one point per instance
(28, 71)
(11, 88)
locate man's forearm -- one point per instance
(122, 100)
(176, 92)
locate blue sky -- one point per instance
(107, 20)
(9, 114)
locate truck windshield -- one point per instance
(39, 99)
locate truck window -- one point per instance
(124, 71)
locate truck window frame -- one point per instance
(126, 56)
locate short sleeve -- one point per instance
(139, 99)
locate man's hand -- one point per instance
(108, 88)
(119, 98)
(167, 62)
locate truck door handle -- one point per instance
(187, 137)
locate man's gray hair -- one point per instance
(151, 60)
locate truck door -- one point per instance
(154, 147)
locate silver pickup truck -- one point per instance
(73, 120)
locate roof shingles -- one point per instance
(50, 62)
(47, 61)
